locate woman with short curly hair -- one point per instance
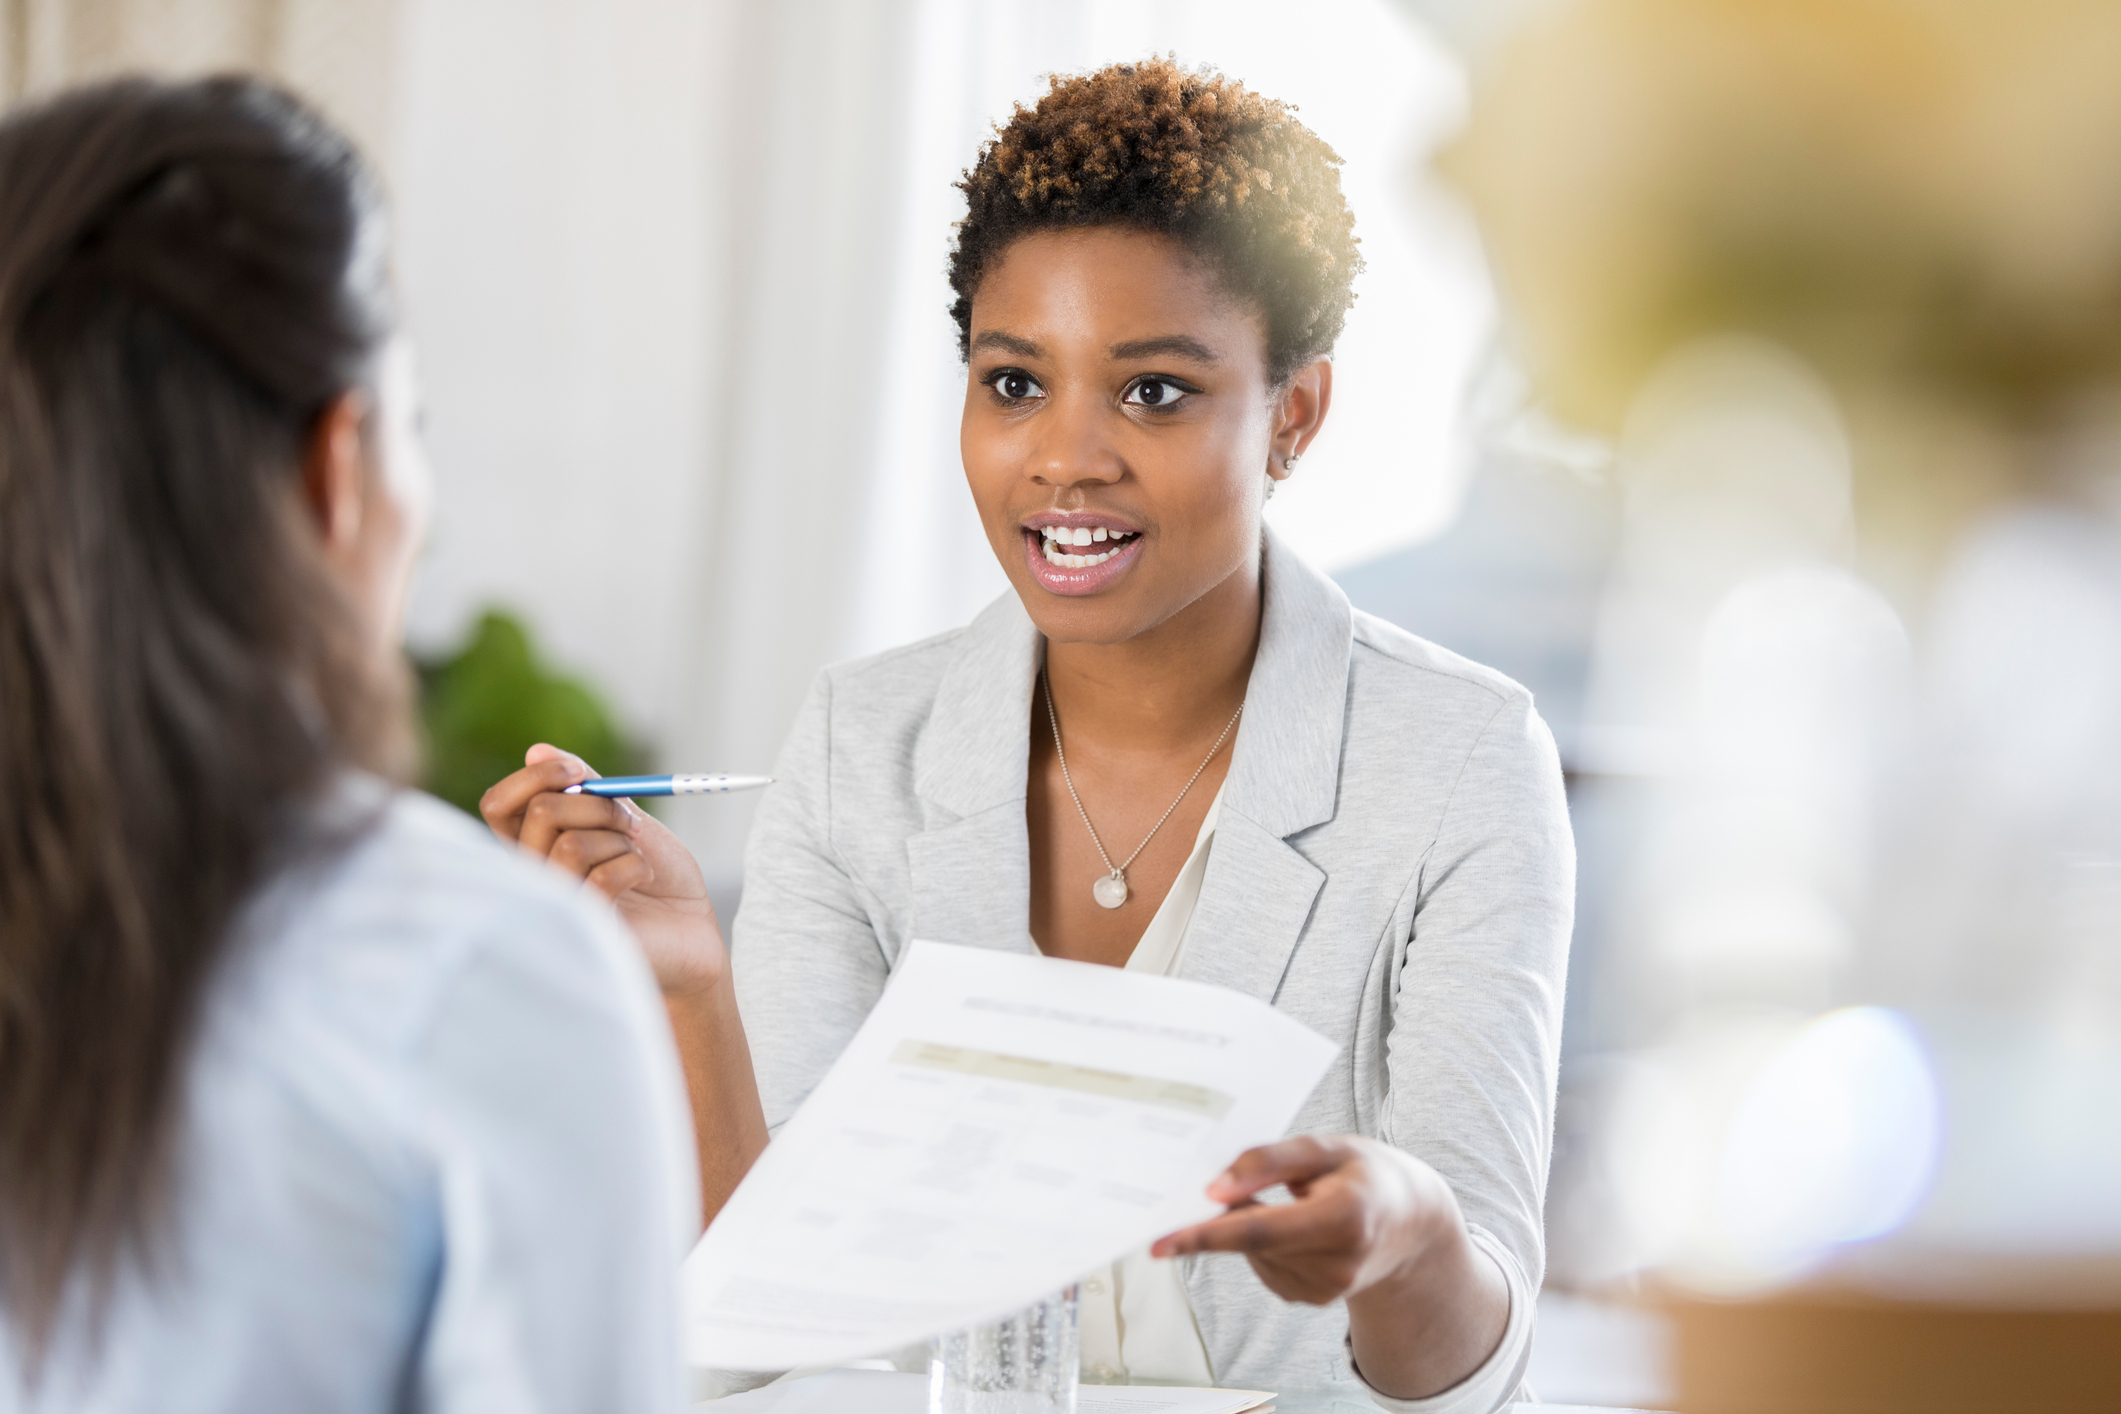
(1175, 748)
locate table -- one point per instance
(890, 1392)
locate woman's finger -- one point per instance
(621, 875)
(1255, 1227)
(1314, 1256)
(550, 817)
(545, 751)
(1328, 1218)
(503, 804)
(1291, 1161)
(579, 851)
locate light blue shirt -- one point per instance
(434, 1155)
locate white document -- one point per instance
(1000, 1125)
(885, 1392)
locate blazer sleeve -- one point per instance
(1475, 1040)
(807, 961)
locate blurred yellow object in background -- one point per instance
(1842, 281)
(1919, 190)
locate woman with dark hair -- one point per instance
(309, 1098)
(1176, 748)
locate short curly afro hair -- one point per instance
(1184, 153)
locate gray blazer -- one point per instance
(1393, 867)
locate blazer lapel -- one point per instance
(971, 869)
(1284, 779)
(1254, 902)
(972, 881)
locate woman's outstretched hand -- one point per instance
(623, 853)
(1363, 1213)
(1378, 1227)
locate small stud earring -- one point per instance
(1288, 463)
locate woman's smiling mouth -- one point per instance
(1082, 546)
(1078, 554)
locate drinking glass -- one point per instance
(1021, 1364)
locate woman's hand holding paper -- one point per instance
(1374, 1225)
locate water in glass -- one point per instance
(1022, 1364)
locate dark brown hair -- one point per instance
(189, 275)
(1232, 176)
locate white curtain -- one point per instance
(342, 53)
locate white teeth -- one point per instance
(1078, 534)
(1054, 537)
(1075, 562)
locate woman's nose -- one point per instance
(1072, 450)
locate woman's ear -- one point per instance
(1300, 412)
(335, 472)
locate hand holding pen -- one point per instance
(631, 786)
(559, 809)
(553, 809)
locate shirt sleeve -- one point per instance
(1476, 1031)
(567, 1192)
(806, 959)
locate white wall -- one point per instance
(556, 252)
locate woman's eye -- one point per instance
(1156, 393)
(1015, 385)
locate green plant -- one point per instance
(484, 707)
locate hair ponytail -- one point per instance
(189, 274)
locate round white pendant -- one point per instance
(1111, 891)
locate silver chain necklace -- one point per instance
(1111, 890)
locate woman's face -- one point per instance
(370, 490)
(1118, 419)
(402, 485)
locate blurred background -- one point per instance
(1744, 377)
(676, 273)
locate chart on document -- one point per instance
(1000, 1125)
(934, 1125)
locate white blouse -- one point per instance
(1137, 1325)
(433, 1155)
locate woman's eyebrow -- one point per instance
(1007, 343)
(1181, 345)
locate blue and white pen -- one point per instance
(667, 785)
